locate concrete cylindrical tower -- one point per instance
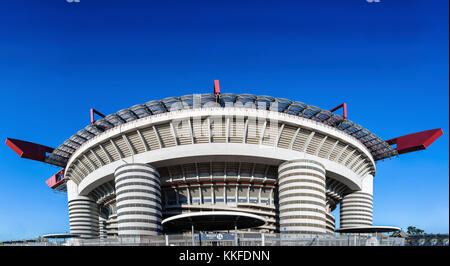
(83, 213)
(330, 224)
(357, 207)
(138, 200)
(111, 225)
(111, 222)
(301, 192)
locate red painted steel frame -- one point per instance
(56, 180)
(344, 106)
(28, 150)
(93, 111)
(216, 87)
(416, 141)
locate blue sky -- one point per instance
(388, 61)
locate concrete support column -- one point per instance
(111, 225)
(111, 222)
(83, 213)
(301, 196)
(102, 227)
(138, 200)
(357, 207)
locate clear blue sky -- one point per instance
(388, 61)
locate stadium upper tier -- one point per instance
(379, 148)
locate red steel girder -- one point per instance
(344, 107)
(56, 180)
(216, 87)
(415, 141)
(28, 150)
(93, 111)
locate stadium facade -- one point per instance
(219, 162)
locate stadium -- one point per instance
(220, 162)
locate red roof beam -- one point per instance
(29, 150)
(56, 180)
(416, 141)
(216, 87)
(344, 107)
(93, 111)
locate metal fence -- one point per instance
(247, 239)
(242, 239)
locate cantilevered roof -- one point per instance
(369, 229)
(379, 148)
(60, 236)
(213, 220)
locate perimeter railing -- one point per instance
(243, 239)
(246, 239)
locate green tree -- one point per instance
(412, 230)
